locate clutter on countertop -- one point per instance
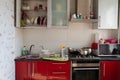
(107, 41)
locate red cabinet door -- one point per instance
(42, 70)
(59, 71)
(114, 70)
(118, 71)
(105, 70)
(110, 70)
(39, 70)
(22, 70)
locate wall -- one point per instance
(78, 35)
(8, 49)
(18, 41)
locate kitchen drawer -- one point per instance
(58, 75)
(59, 66)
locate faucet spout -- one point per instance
(31, 48)
(42, 47)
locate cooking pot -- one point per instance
(85, 51)
(73, 52)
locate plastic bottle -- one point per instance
(24, 51)
(63, 52)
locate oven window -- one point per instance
(85, 75)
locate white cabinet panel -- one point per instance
(17, 12)
(108, 14)
(31, 13)
(58, 13)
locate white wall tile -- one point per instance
(78, 35)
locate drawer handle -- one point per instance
(32, 69)
(58, 72)
(28, 69)
(58, 63)
(104, 70)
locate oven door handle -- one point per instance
(77, 69)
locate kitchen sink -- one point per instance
(33, 56)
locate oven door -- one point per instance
(85, 73)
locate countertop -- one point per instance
(109, 58)
(100, 58)
(41, 59)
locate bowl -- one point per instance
(110, 41)
(46, 53)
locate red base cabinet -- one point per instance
(110, 70)
(22, 70)
(31, 70)
(59, 71)
(42, 70)
(39, 70)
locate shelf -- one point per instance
(84, 20)
(33, 27)
(34, 10)
(33, 13)
(35, 0)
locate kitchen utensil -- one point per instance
(85, 51)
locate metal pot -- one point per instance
(85, 51)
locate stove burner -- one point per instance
(75, 55)
(78, 55)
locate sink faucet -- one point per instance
(42, 47)
(31, 48)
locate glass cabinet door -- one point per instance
(59, 13)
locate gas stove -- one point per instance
(85, 59)
(76, 56)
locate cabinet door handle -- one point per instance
(58, 72)
(78, 69)
(33, 69)
(99, 21)
(28, 69)
(104, 70)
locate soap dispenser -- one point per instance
(24, 51)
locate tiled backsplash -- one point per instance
(77, 35)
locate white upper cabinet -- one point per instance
(55, 13)
(17, 13)
(42, 13)
(107, 14)
(102, 13)
(58, 13)
(31, 13)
